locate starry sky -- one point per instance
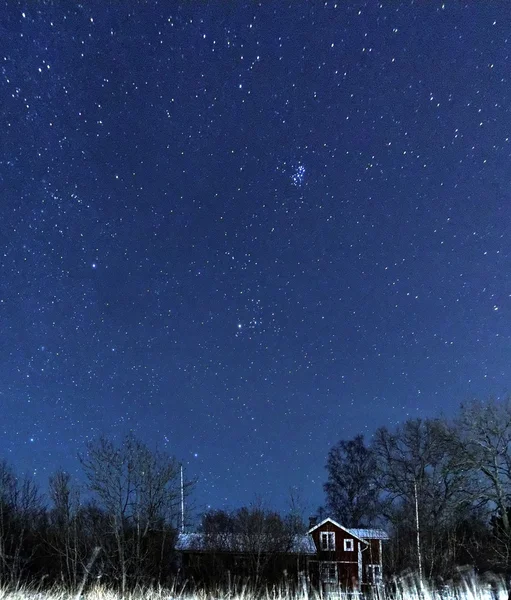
(246, 230)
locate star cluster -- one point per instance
(247, 230)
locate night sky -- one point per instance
(248, 230)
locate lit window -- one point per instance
(348, 545)
(327, 540)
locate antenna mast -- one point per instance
(182, 503)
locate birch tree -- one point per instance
(423, 484)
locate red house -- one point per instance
(348, 559)
(330, 557)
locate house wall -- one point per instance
(373, 552)
(372, 562)
(347, 560)
(212, 569)
(339, 554)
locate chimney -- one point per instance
(313, 521)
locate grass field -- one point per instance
(468, 591)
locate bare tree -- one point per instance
(295, 519)
(485, 434)
(263, 535)
(21, 511)
(351, 489)
(253, 541)
(422, 483)
(63, 536)
(139, 490)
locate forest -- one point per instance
(440, 487)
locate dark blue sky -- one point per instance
(248, 230)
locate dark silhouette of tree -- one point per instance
(140, 491)
(484, 430)
(21, 515)
(251, 542)
(485, 434)
(63, 533)
(351, 489)
(425, 492)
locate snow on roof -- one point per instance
(370, 534)
(301, 544)
(189, 541)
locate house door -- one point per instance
(328, 577)
(374, 574)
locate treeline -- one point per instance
(442, 489)
(120, 528)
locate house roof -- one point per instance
(362, 534)
(371, 534)
(189, 542)
(329, 520)
(303, 544)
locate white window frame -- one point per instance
(349, 545)
(327, 540)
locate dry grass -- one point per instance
(470, 590)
